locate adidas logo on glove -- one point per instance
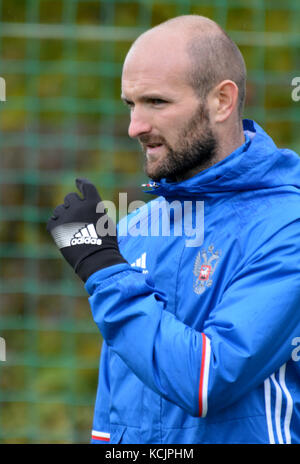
(86, 236)
(76, 233)
(72, 227)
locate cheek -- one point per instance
(171, 129)
(172, 123)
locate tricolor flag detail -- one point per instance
(204, 374)
(100, 436)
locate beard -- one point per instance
(196, 150)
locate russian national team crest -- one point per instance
(205, 265)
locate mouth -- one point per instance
(153, 148)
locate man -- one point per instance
(200, 335)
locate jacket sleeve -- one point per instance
(247, 336)
(101, 423)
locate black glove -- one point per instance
(86, 246)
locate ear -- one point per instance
(224, 98)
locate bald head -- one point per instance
(201, 49)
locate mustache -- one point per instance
(148, 139)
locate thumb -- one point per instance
(87, 189)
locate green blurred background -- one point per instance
(62, 118)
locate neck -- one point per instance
(227, 144)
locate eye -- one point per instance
(128, 103)
(156, 101)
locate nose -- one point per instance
(138, 124)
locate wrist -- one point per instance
(97, 261)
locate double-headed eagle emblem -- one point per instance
(204, 268)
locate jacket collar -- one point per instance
(251, 166)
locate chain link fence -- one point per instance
(62, 117)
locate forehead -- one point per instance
(156, 63)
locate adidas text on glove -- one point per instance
(73, 227)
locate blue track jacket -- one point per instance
(202, 332)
